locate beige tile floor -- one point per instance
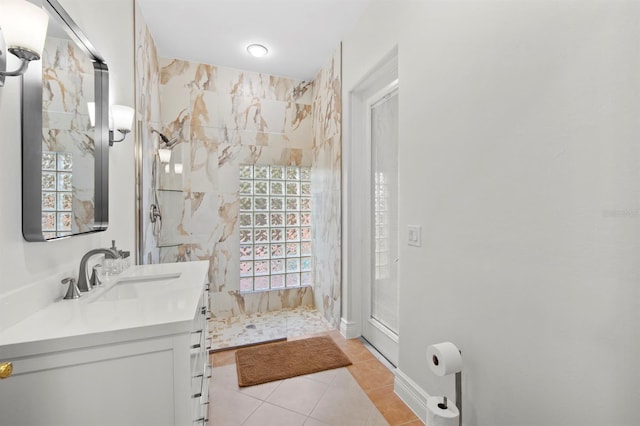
(358, 395)
(331, 397)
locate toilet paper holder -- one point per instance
(444, 404)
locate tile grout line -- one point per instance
(291, 410)
(280, 382)
(323, 395)
(252, 413)
(376, 388)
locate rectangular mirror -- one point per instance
(65, 159)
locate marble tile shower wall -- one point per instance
(147, 117)
(223, 118)
(326, 184)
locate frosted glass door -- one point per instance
(381, 327)
(384, 135)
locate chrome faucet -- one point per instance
(82, 278)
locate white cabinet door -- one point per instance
(122, 384)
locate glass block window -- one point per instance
(57, 194)
(275, 227)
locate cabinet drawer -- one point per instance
(198, 339)
(200, 344)
(200, 384)
(200, 412)
(202, 421)
(200, 395)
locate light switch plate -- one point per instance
(415, 235)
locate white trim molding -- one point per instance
(350, 329)
(411, 394)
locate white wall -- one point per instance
(520, 158)
(109, 25)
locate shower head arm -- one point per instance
(166, 142)
(169, 145)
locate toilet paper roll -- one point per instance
(438, 416)
(444, 358)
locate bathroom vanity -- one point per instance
(131, 352)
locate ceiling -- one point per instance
(300, 34)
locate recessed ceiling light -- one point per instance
(257, 50)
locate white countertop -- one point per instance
(160, 307)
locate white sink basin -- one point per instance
(132, 287)
(149, 277)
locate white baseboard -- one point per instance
(349, 329)
(411, 394)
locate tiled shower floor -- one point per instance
(246, 330)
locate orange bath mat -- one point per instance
(277, 361)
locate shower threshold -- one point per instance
(245, 330)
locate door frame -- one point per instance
(356, 254)
(380, 337)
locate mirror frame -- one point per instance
(32, 145)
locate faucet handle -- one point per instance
(95, 279)
(117, 253)
(72, 292)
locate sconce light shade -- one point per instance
(121, 120)
(122, 117)
(91, 107)
(23, 30)
(24, 26)
(165, 155)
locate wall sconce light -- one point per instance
(23, 29)
(120, 119)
